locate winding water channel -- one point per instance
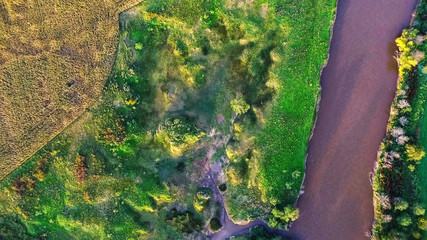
(358, 86)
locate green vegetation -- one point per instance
(177, 135)
(202, 199)
(202, 93)
(215, 224)
(399, 182)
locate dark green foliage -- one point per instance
(215, 224)
(422, 17)
(177, 129)
(184, 222)
(11, 227)
(222, 187)
(211, 10)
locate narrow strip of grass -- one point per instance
(422, 171)
(285, 137)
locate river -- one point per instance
(358, 86)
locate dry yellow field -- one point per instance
(55, 56)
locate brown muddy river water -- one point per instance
(358, 86)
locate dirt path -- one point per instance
(213, 174)
(357, 90)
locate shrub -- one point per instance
(415, 153)
(404, 220)
(215, 224)
(419, 211)
(288, 214)
(223, 187)
(239, 106)
(138, 46)
(422, 224)
(201, 200)
(178, 135)
(234, 177)
(80, 168)
(384, 201)
(401, 205)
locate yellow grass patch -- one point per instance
(55, 56)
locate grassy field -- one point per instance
(285, 136)
(399, 183)
(55, 56)
(422, 174)
(195, 85)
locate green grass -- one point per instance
(422, 170)
(284, 139)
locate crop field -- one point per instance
(55, 56)
(209, 106)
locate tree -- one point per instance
(239, 106)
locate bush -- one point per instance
(233, 177)
(404, 220)
(288, 214)
(419, 211)
(202, 198)
(401, 205)
(178, 135)
(215, 224)
(239, 106)
(223, 187)
(184, 222)
(415, 153)
(422, 224)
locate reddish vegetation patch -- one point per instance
(23, 183)
(220, 118)
(39, 171)
(26, 182)
(115, 136)
(80, 168)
